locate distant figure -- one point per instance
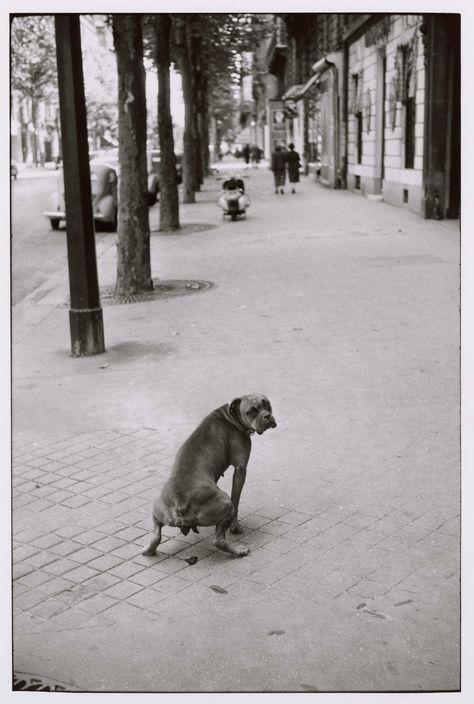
(293, 161)
(246, 153)
(255, 155)
(278, 168)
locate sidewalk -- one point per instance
(345, 313)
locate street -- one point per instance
(344, 312)
(38, 252)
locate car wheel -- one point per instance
(55, 223)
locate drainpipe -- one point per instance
(325, 64)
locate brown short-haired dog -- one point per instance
(191, 497)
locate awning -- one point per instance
(293, 92)
(309, 84)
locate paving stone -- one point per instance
(48, 608)
(170, 584)
(85, 555)
(70, 618)
(295, 518)
(98, 603)
(24, 552)
(19, 570)
(146, 577)
(29, 598)
(280, 545)
(131, 533)
(101, 581)
(34, 579)
(109, 543)
(276, 527)
(254, 521)
(123, 612)
(60, 566)
(123, 589)
(69, 531)
(65, 548)
(145, 598)
(80, 574)
(46, 541)
(105, 562)
(359, 520)
(368, 589)
(55, 586)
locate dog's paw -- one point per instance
(241, 551)
(149, 552)
(236, 528)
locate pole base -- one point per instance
(87, 332)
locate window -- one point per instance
(410, 119)
(359, 128)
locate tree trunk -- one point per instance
(169, 202)
(188, 136)
(34, 122)
(133, 246)
(195, 49)
(204, 124)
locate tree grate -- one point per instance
(162, 290)
(33, 683)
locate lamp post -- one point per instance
(85, 314)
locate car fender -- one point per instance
(106, 207)
(153, 183)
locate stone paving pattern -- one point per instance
(351, 506)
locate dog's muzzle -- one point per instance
(267, 424)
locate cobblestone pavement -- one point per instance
(353, 527)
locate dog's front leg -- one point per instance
(238, 481)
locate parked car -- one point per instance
(104, 198)
(111, 158)
(153, 167)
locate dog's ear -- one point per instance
(234, 406)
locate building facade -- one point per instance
(371, 102)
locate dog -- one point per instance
(191, 497)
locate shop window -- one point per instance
(410, 119)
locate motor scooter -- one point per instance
(232, 199)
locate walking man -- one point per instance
(293, 161)
(278, 167)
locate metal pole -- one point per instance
(85, 315)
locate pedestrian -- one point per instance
(293, 161)
(246, 153)
(278, 168)
(254, 155)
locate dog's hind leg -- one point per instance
(221, 528)
(156, 539)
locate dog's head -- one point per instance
(254, 412)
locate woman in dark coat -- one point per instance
(293, 161)
(278, 168)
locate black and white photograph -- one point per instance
(235, 420)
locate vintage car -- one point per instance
(110, 157)
(153, 166)
(104, 198)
